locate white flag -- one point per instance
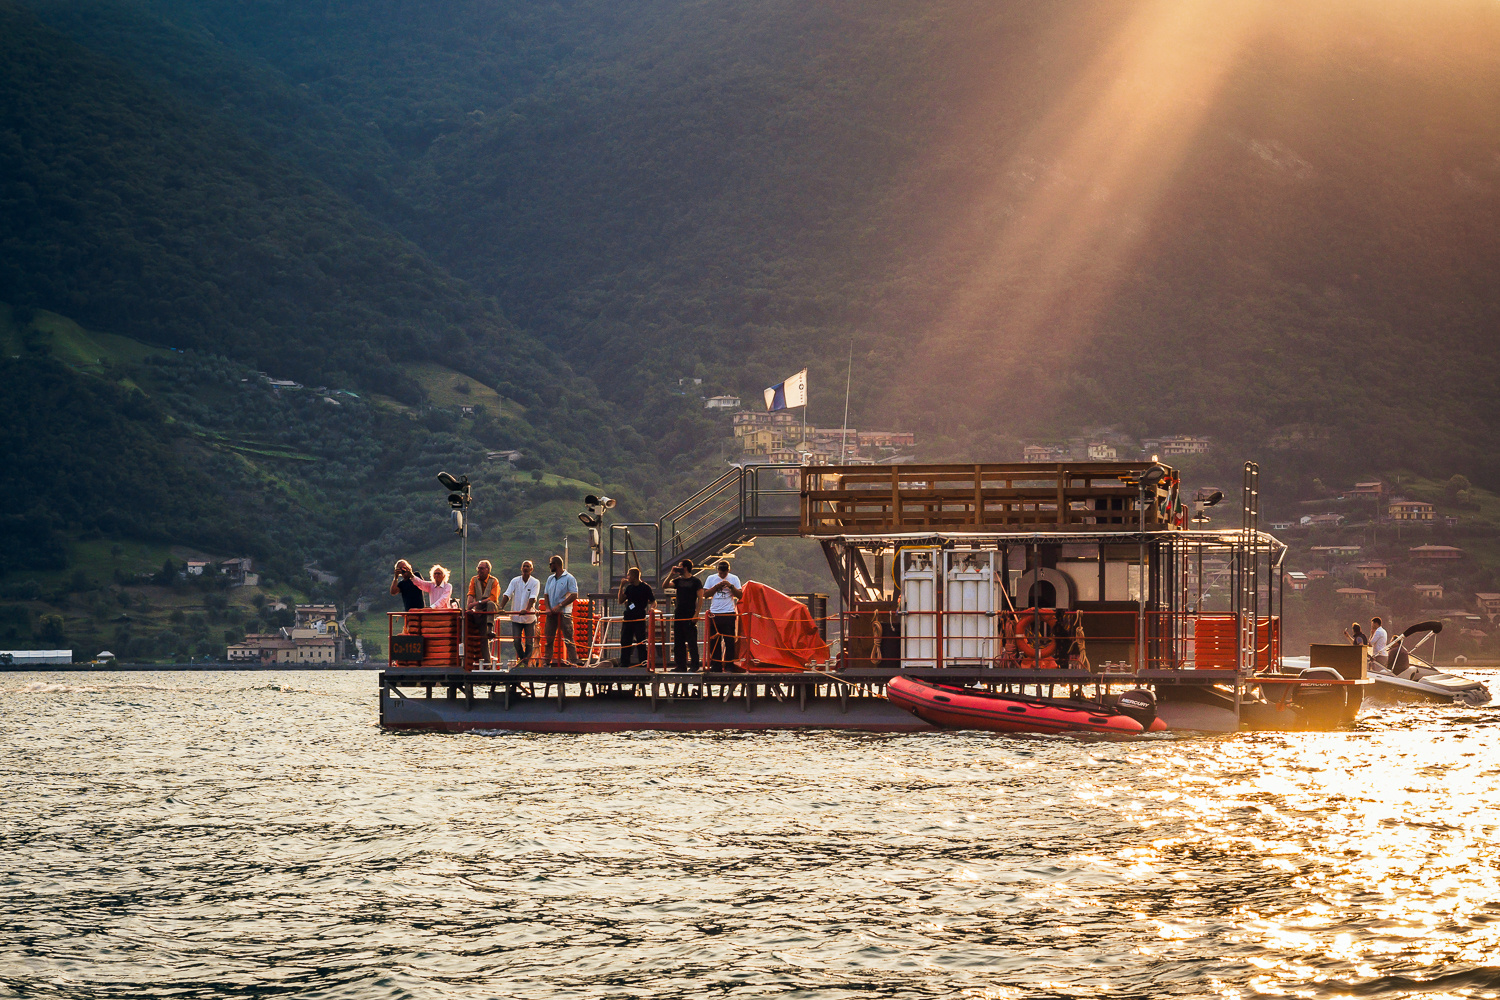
(785, 395)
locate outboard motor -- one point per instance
(1322, 705)
(1138, 704)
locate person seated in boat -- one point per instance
(1357, 637)
(439, 590)
(483, 599)
(403, 586)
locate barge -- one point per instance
(1073, 581)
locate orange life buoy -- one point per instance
(1029, 636)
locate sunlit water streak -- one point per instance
(256, 834)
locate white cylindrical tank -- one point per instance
(917, 567)
(969, 595)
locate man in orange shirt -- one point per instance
(484, 599)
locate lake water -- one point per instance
(253, 834)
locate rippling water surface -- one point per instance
(244, 834)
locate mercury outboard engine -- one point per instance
(1323, 705)
(1138, 704)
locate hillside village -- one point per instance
(1406, 550)
(1109, 444)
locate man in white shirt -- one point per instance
(521, 595)
(722, 591)
(1378, 637)
(562, 591)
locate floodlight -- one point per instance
(591, 500)
(1153, 475)
(456, 501)
(606, 502)
(451, 484)
(1208, 497)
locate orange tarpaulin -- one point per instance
(777, 632)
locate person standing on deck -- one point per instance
(402, 585)
(686, 587)
(483, 599)
(1378, 637)
(562, 591)
(636, 598)
(439, 590)
(521, 597)
(723, 591)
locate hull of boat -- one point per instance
(595, 714)
(964, 708)
(1392, 688)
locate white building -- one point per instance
(31, 657)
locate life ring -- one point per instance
(1029, 634)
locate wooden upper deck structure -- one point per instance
(850, 500)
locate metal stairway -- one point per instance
(712, 524)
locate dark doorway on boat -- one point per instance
(1043, 595)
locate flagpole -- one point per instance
(848, 381)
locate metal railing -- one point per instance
(1092, 496)
(712, 523)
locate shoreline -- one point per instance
(121, 668)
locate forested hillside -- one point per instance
(1249, 222)
(129, 211)
(1273, 224)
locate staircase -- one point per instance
(712, 524)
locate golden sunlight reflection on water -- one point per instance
(237, 835)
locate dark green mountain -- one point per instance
(1272, 224)
(1248, 222)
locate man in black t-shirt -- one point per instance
(635, 598)
(401, 584)
(685, 616)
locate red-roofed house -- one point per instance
(1436, 552)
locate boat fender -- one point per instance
(1138, 704)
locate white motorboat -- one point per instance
(1399, 673)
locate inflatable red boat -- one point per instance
(968, 708)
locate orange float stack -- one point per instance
(1215, 642)
(583, 627)
(440, 631)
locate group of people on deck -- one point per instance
(553, 598)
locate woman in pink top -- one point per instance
(438, 589)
